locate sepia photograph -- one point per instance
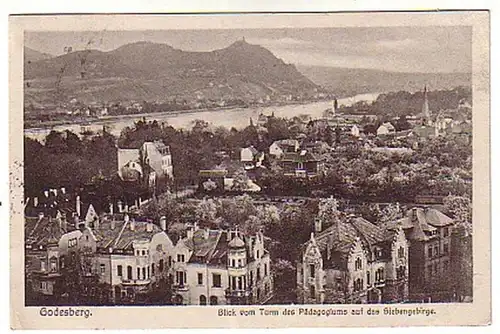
(305, 166)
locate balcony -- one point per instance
(137, 282)
(180, 287)
(237, 293)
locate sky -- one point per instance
(429, 49)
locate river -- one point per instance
(235, 117)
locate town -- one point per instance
(348, 208)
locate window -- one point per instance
(143, 273)
(161, 265)
(149, 273)
(233, 283)
(200, 279)
(358, 284)
(445, 249)
(42, 265)
(265, 269)
(143, 252)
(312, 291)
(240, 283)
(216, 281)
(446, 232)
(138, 273)
(240, 263)
(213, 300)
(312, 271)
(203, 300)
(379, 275)
(119, 270)
(258, 254)
(103, 268)
(233, 263)
(368, 278)
(357, 264)
(258, 274)
(251, 277)
(429, 269)
(401, 252)
(180, 278)
(180, 257)
(429, 251)
(169, 261)
(129, 272)
(153, 269)
(436, 250)
(53, 265)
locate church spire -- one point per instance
(426, 115)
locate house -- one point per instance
(355, 131)
(127, 254)
(429, 232)
(353, 261)
(425, 131)
(280, 147)
(251, 157)
(49, 242)
(247, 154)
(211, 180)
(149, 163)
(220, 267)
(385, 129)
(301, 164)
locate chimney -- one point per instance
(317, 225)
(120, 206)
(46, 193)
(111, 208)
(35, 202)
(190, 232)
(78, 204)
(55, 192)
(64, 222)
(163, 223)
(63, 191)
(149, 227)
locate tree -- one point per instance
(240, 180)
(206, 212)
(460, 209)
(329, 213)
(285, 285)
(390, 213)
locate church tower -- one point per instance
(426, 114)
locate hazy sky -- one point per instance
(401, 49)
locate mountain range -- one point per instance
(345, 82)
(158, 72)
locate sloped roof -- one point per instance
(421, 222)
(341, 237)
(41, 231)
(300, 156)
(122, 237)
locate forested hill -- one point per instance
(158, 72)
(406, 103)
(351, 81)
